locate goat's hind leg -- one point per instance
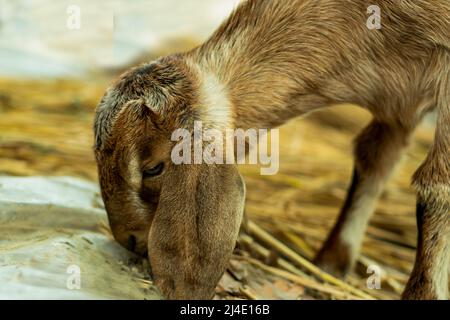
(377, 149)
(429, 278)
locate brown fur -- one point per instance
(269, 62)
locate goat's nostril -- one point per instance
(131, 245)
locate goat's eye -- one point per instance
(155, 171)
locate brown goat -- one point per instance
(271, 61)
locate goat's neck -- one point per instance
(268, 73)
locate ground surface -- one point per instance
(45, 129)
(56, 244)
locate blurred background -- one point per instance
(53, 71)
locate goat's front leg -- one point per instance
(377, 149)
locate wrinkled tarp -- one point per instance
(55, 244)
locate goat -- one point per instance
(269, 62)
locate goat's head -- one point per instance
(187, 216)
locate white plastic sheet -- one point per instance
(55, 244)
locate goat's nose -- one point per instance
(131, 245)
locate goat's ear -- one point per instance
(146, 110)
(195, 228)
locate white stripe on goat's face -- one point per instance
(134, 171)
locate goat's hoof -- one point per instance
(335, 261)
(420, 290)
